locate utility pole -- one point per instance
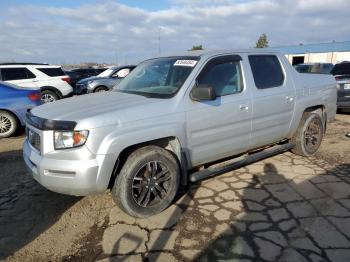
(125, 59)
(159, 41)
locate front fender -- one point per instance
(115, 142)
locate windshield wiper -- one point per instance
(146, 94)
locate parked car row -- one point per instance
(105, 81)
(50, 80)
(340, 71)
(55, 83)
(80, 73)
(25, 85)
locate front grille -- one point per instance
(34, 139)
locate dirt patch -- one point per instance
(335, 147)
(37, 224)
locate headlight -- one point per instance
(89, 82)
(70, 139)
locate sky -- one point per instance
(129, 31)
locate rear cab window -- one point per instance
(267, 71)
(52, 71)
(16, 73)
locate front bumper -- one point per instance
(343, 102)
(69, 94)
(72, 177)
(80, 89)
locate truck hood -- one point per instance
(102, 109)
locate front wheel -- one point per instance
(309, 134)
(101, 89)
(8, 124)
(147, 182)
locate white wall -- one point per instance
(331, 57)
(316, 58)
(342, 56)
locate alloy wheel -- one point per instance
(151, 184)
(47, 98)
(5, 124)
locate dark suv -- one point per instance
(314, 68)
(80, 73)
(341, 73)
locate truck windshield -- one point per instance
(160, 77)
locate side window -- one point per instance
(19, 73)
(267, 71)
(225, 77)
(52, 71)
(121, 73)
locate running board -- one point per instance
(252, 158)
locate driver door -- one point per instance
(222, 127)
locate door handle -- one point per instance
(243, 108)
(289, 98)
(35, 80)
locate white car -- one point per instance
(53, 83)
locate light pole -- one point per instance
(159, 41)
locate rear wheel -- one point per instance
(147, 182)
(8, 124)
(48, 96)
(101, 89)
(309, 134)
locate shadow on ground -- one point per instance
(269, 216)
(296, 222)
(26, 208)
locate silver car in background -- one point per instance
(104, 81)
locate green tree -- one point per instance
(196, 47)
(262, 41)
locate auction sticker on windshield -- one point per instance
(190, 63)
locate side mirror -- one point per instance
(203, 92)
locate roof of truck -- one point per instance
(203, 53)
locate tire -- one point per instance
(48, 96)
(309, 134)
(100, 89)
(134, 193)
(8, 124)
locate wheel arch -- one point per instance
(321, 111)
(104, 86)
(53, 89)
(170, 143)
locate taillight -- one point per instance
(66, 79)
(34, 96)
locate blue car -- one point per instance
(14, 103)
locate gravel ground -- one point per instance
(285, 208)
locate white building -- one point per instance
(333, 52)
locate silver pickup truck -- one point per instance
(170, 117)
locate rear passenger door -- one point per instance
(273, 99)
(222, 127)
(20, 76)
